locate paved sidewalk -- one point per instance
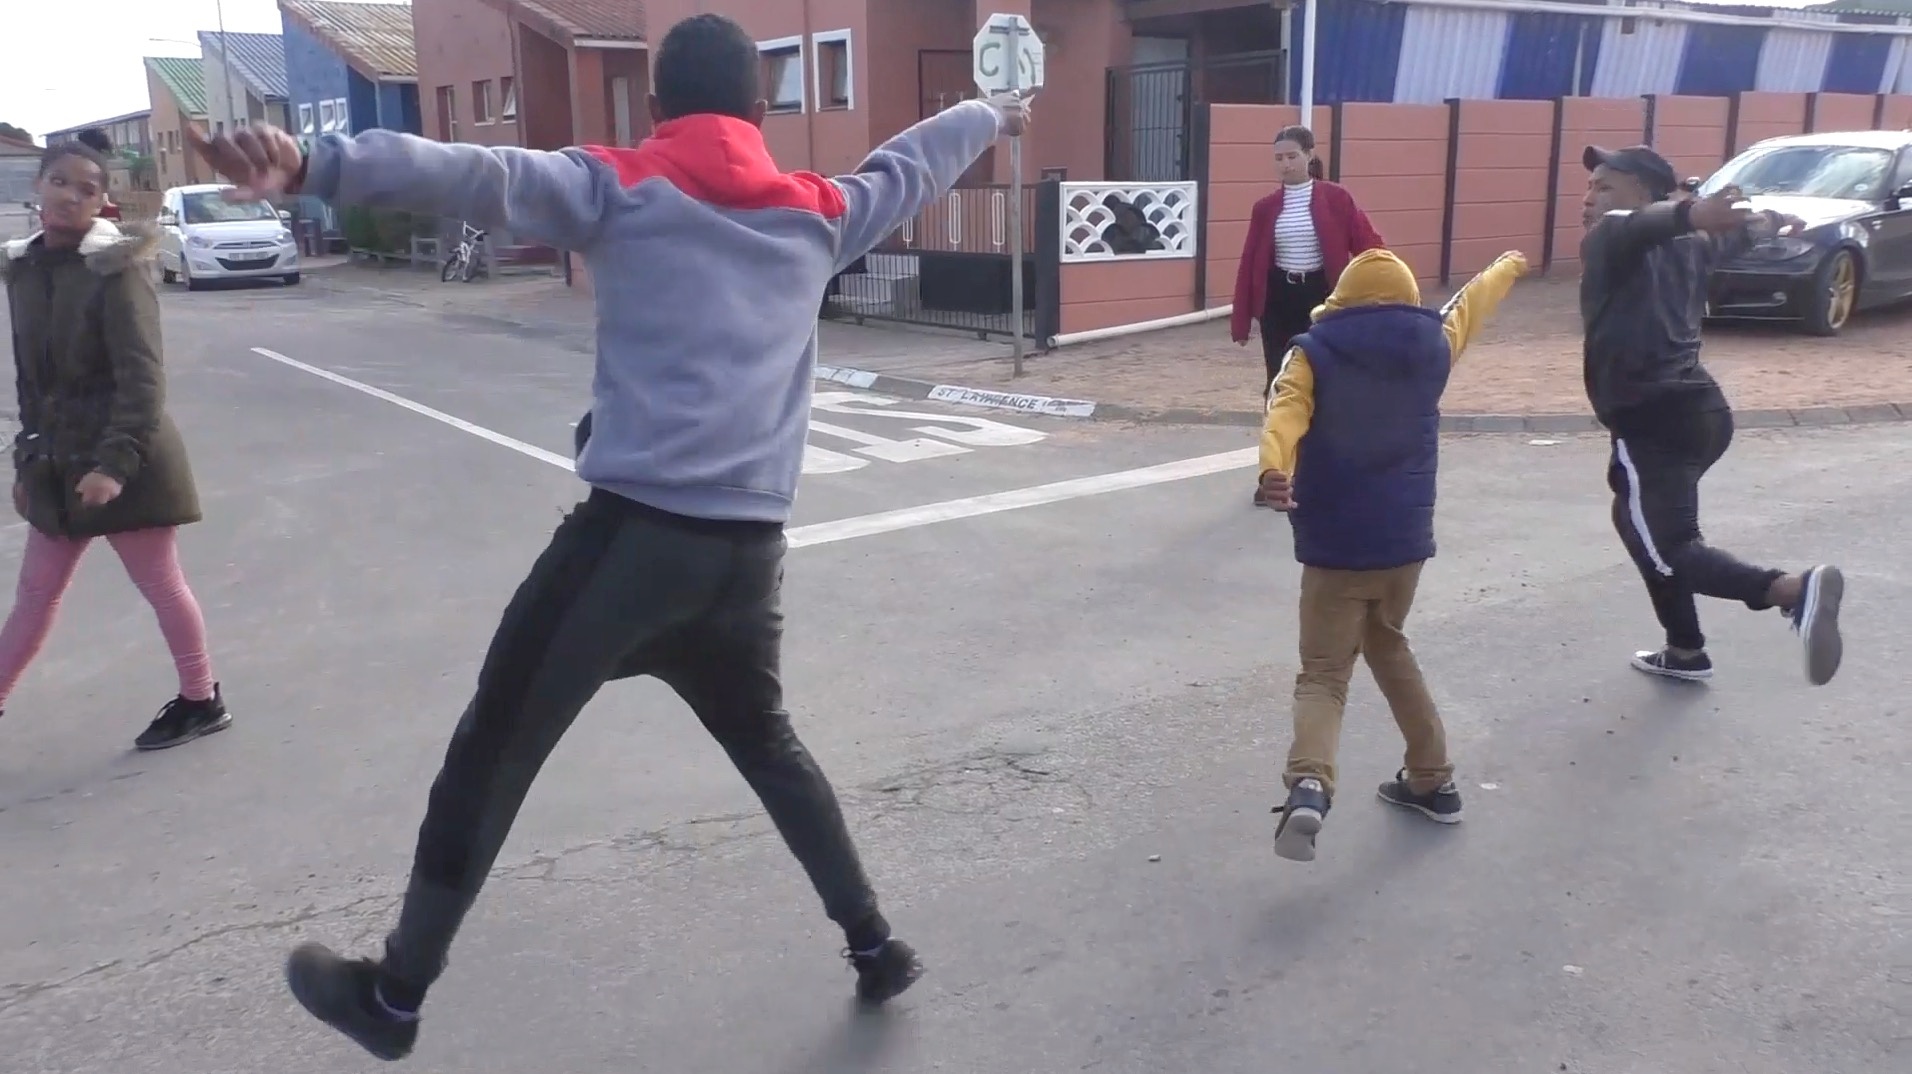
(1524, 372)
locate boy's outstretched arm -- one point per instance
(554, 198)
(1290, 412)
(1474, 304)
(902, 176)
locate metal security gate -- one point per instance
(1152, 107)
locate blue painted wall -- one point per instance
(313, 72)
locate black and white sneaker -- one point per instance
(343, 993)
(1669, 665)
(1301, 817)
(1442, 804)
(885, 973)
(1816, 618)
(181, 720)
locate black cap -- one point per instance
(1650, 168)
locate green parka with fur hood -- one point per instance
(92, 387)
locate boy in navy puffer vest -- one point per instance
(1358, 404)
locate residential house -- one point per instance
(245, 79)
(467, 72)
(350, 67)
(133, 165)
(176, 89)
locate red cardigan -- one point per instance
(1340, 225)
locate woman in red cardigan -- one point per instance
(1299, 239)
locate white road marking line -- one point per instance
(460, 424)
(847, 529)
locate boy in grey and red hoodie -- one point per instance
(709, 265)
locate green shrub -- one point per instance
(360, 228)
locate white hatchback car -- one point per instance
(203, 238)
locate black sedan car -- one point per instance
(1854, 191)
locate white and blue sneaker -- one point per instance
(1301, 817)
(1816, 619)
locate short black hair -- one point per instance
(80, 149)
(96, 139)
(706, 64)
(1297, 134)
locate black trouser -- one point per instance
(625, 590)
(1655, 475)
(1292, 298)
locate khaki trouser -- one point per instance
(1345, 614)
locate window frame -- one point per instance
(825, 95)
(508, 91)
(481, 103)
(776, 47)
(308, 119)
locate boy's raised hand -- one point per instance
(262, 161)
(1013, 108)
(1519, 260)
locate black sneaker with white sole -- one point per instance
(1442, 804)
(183, 719)
(1670, 665)
(1301, 817)
(343, 993)
(885, 973)
(1816, 619)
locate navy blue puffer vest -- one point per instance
(1365, 480)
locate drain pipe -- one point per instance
(1118, 331)
(812, 76)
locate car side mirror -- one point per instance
(1904, 193)
(1691, 184)
(285, 217)
(167, 219)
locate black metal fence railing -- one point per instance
(1149, 127)
(951, 266)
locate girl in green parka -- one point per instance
(97, 455)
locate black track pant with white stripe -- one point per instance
(1655, 475)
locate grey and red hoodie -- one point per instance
(709, 265)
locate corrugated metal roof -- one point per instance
(377, 38)
(259, 57)
(618, 19)
(109, 121)
(186, 77)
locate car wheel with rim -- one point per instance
(1835, 294)
(292, 279)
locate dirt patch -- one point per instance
(1527, 362)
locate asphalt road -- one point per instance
(1057, 728)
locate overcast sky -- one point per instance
(69, 63)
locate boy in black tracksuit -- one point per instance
(1646, 260)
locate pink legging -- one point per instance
(151, 558)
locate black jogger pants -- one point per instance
(623, 590)
(1292, 298)
(1655, 474)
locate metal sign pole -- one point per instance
(1015, 207)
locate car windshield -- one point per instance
(211, 207)
(1852, 173)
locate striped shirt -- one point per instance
(1297, 249)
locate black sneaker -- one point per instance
(1667, 665)
(1301, 817)
(181, 721)
(343, 993)
(1816, 618)
(885, 973)
(1442, 804)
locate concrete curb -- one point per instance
(1047, 406)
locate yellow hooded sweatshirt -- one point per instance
(1376, 278)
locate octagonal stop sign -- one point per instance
(1008, 55)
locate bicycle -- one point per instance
(466, 257)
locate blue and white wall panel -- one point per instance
(1450, 52)
(1644, 61)
(1794, 61)
(1895, 72)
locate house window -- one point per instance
(835, 84)
(447, 114)
(481, 101)
(341, 116)
(328, 119)
(508, 89)
(305, 121)
(783, 73)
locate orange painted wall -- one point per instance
(1770, 115)
(1103, 294)
(1898, 113)
(1843, 111)
(1586, 121)
(1394, 160)
(1500, 182)
(1690, 132)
